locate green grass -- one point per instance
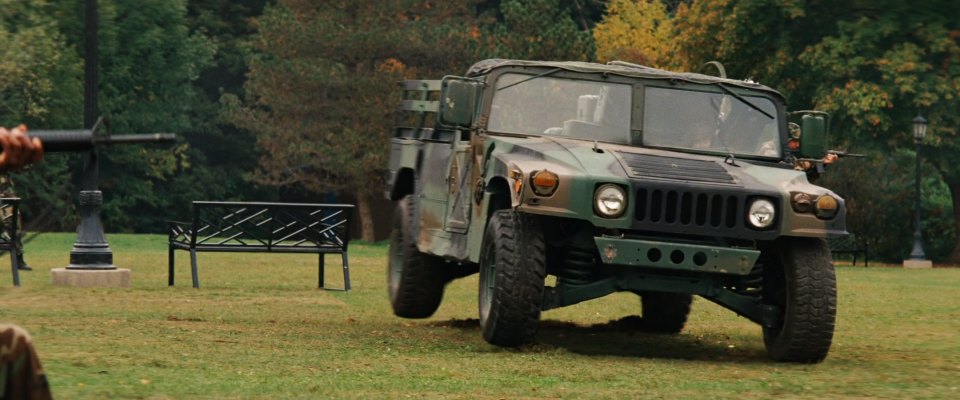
(259, 328)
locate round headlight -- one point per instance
(610, 201)
(761, 214)
(827, 206)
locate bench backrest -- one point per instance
(282, 227)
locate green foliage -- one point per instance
(39, 85)
(149, 62)
(39, 73)
(540, 30)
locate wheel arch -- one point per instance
(498, 196)
(404, 184)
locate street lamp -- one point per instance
(919, 132)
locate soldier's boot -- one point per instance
(22, 265)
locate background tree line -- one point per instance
(293, 99)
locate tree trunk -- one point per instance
(367, 232)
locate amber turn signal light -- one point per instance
(544, 182)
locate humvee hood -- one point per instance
(575, 156)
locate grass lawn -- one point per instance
(259, 328)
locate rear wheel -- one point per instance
(665, 312)
(801, 284)
(512, 273)
(415, 280)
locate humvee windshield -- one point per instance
(672, 118)
(710, 121)
(578, 109)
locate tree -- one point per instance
(635, 31)
(322, 87)
(149, 62)
(541, 30)
(40, 84)
(887, 62)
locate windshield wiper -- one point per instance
(550, 72)
(742, 100)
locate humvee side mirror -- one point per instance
(458, 101)
(814, 131)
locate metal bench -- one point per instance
(851, 245)
(10, 212)
(263, 227)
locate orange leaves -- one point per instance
(635, 31)
(392, 65)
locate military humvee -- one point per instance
(562, 182)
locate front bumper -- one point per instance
(676, 256)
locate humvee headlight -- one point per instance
(827, 206)
(610, 201)
(544, 182)
(761, 214)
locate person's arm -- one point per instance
(19, 150)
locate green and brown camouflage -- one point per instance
(652, 174)
(21, 375)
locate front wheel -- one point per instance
(512, 271)
(801, 284)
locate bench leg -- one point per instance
(193, 268)
(346, 272)
(170, 270)
(320, 272)
(15, 266)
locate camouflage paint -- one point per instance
(491, 159)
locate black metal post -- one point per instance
(917, 252)
(91, 70)
(91, 250)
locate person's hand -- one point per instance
(830, 158)
(19, 150)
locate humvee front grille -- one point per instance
(649, 166)
(688, 208)
(704, 211)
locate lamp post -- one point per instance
(917, 256)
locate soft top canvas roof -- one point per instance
(624, 69)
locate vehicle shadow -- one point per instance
(624, 338)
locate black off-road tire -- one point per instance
(512, 271)
(665, 312)
(801, 282)
(415, 280)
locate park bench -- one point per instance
(263, 227)
(10, 212)
(852, 245)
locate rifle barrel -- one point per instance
(55, 141)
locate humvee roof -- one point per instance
(623, 69)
